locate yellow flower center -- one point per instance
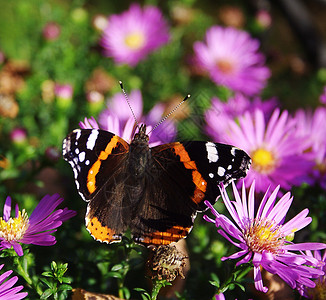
(263, 160)
(15, 228)
(135, 40)
(264, 235)
(225, 66)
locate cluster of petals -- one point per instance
(36, 229)
(132, 35)
(118, 119)
(277, 153)
(7, 289)
(222, 112)
(262, 236)
(232, 58)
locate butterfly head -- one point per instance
(141, 137)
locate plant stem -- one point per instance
(21, 271)
(237, 274)
(157, 285)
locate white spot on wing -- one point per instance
(211, 175)
(92, 139)
(78, 133)
(233, 150)
(220, 171)
(211, 152)
(81, 156)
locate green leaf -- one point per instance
(47, 282)
(46, 294)
(114, 275)
(117, 267)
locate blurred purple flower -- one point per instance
(311, 129)
(7, 291)
(231, 58)
(221, 112)
(322, 97)
(18, 135)
(319, 291)
(118, 106)
(63, 91)
(219, 296)
(37, 228)
(132, 35)
(276, 151)
(263, 19)
(51, 31)
(118, 120)
(263, 238)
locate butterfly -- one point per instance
(155, 192)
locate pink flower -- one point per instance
(311, 129)
(7, 291)
(319, 291)
(51, 31)
(37, 228)
(132, 35)
(262, 237)
(231, 58)
(18, 135)
(277, 153)
(323, 96)
(63, 91)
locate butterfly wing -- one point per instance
(180, 178)
(97, 158)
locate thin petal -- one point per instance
(7, 209)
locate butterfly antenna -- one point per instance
(127, 99)
(170, 113)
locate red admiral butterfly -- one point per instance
(155, 192)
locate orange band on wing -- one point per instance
(167, 237)
(199, 181)
(91, 180)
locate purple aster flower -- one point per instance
(37, 228)
(231, 58)
(117, 118)
(276, 151)
(311, 129)
(319, 291)
(132, 35)
(263, 236)
(7, 291)
(118, 106)
(221, 112)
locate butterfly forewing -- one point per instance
(90, 152)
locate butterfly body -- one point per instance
(155, 192)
